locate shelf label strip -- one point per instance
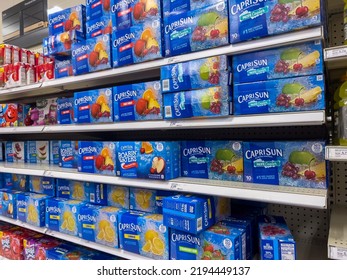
(336, 153)
(335, 53)
(336, 253)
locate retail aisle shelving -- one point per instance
(336, 153)
(336, 57)
(3, 258)
(337, 240)
(116, 252)
(305, 197)
(266, 120)
(151, 69)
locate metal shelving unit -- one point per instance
(336, 153)
(116, 252)
(337, 240)
(304, 197)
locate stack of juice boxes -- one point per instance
(191, 25)
(255, 19)
(137, 31)
(198, 88)
(285, 79)
(19, 66)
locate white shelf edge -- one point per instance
(314, 33)
(274, 119)
(3, 258)
(337, 239)
(336, 57)
(305, 197)
(336, 153)
(113, 251)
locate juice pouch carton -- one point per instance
(68, 152)
(30, 73)
(65, 110)
(68, 222)
(276, 240)
(118, 196)
(218, 160)
(45, 72)
(73, 18)
(297, 60)
(22, 206)
(93, 106)
(14, 75)
(189, 213)
(295, 164)
(148, 160)
(209, 102)
(86, 221)
(59, 252)
(53, 212)
(45, 112)
(195, 74)
(63, 67)
(5, 54)
(62, 44)
(38, 152)
(98, 27)
(129, 231)
(219, 243)
(54, 147)
(95, 193)
(15, 54)
(106, 230)
(15, 151)
(35, 247)
(96, 157)
(43, 185)
(20, 182)
(196, 30)
(250, 20)
(97, 8)
(8, 115)
(282, 95)
(245, 224)
(9, 202)
(185, 5)
(36, 209)
(137, 44)
(92, 55)
(63, 188)
(137, 102)
(147, 200)
(184, 246)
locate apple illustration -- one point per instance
(158, 165)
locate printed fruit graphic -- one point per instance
(68, 25)
(139, 11)
(141, 106)
(147, 147)
(210, 100)
(149, 94)
(158, 165)
(98, 55)
(106, 5)
(143, 199)
(151, 7)
(93, 58)
(316, 171)
(69, 223)
(99, 162)
(152, 45)
(139, 48)
(307, 61)
(208, 19)
(104, 160)
(95, 110)
(226, 161)
(146, 34)
(108, 28)
(78, 190)
(118, 196)
(301, 157)
(153, 243)
(204, 72)
(106, 232)
(147, 44)
(148, 104)
(294, 88)
(272, 230)
(33, 216)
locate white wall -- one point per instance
(5, 4)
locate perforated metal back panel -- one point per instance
(339, 177)
(336, 34)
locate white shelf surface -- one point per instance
(265, 120)
(305, 197)
(336, 57)
(151, 69)
(116, 252)
(336, 153)
(3, 259)
(337, 240)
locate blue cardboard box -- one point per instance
(209, 102)
(16, 151)
(184, 246)
(68, 153)
(148, 160)
(282, 95)
(73, 18)
(137, 102)
(304, 59)
(218, 160)
(291, 163)
(53, 213)
(19, 182)
(256, 19)
(63, 188)
(93, 106)
(169, 7)
(54, 147)
(98, 27)
(9, 202)
(62, 67)
(38, 152)
(43, 185)
(65, 110)
(96, 9)
(62, 45)
(276, 240)
(36, 209)
(68, 222)
(196, 30)
(195, 74)
(95, 193)
(87, 216)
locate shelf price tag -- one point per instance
(336, 153)
(175, 187)
(336, 253)
(335, 53)
(175, 124)
(174, 59)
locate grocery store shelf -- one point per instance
(336, 153)
(336, 57)
(265, 120)
(313, 198)
(337, 240)
(76, 240)
(335, 6)
(151, 69)
(3, 259)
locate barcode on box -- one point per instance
(166, 85)
(92, 197)
(168, 112)
(199, 224)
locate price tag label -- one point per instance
(176, 187)
(334, 53)
(337, 153)
(336, 253)
(173, 60)
(175, 124)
